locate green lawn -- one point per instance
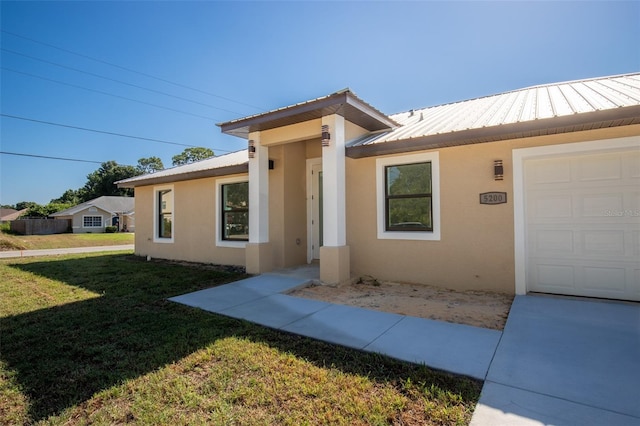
(35, 242)
(92, 339)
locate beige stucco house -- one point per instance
(531, 190)
(95, 215)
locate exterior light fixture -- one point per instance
(326, 136)
(251, 148)
(498, 170)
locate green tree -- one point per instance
(149, 165)
(70, 196)
(36, 210)
(190, 155)
(25, 205)
(102, 181)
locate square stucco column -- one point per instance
(334, 255)
(258, 253)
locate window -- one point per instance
(235, 211)
(164, 215)
(408, 197)
(92, 221)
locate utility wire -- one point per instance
(115, 80)
(106, 93)
(132, 70)
(52, 158)
(102, 131)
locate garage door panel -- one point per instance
(551, 241)
(597, 205)
(583, 224)
(552, 172)
(603, 243)
(559, 206)
(554, 278)
(600, 167)
(605, 280)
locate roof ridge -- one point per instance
(537, 86)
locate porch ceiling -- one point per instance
(344, 103)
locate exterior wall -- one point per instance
(476, 249)
(77, 221)
(287, 202)
(194, 225)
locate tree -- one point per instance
(36, 210)
(150, 165)
(25, 205)
(189, 155)
(70, 196)
(102, 181)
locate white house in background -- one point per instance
(536, 189)
(95, 215)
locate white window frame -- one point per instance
(156, 214)
(93, 215)
(219, 219)
(381, 164)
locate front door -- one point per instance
(315, 207)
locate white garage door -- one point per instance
(582, 219)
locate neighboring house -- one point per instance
(95, 215)
(7, 215)
(530, 190)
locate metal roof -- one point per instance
(550, 108)
(343, 102)
(235, 162)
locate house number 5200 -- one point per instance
(493, 198)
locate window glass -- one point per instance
(92, 221)
(165, 213)
(235, 211)
(408, 197)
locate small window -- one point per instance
(92, 221)
(408, 206)
(408, 197)
(235, 211)
(165, 214)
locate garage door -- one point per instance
(582, 220)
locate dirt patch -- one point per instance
(477, 308)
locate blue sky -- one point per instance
(247, 57)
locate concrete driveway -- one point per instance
(564, 361)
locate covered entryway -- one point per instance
(581, 221)
(314, 208)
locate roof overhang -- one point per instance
(199, 174)
(565, 124)
(344, 103)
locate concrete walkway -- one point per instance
(72, 250)
(564, 361)
(558, 361)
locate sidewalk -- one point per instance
(72, 250)
(558, 361)
(457, 348)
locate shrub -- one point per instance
(111, 229)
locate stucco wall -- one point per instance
(194, 225)
(476, 249)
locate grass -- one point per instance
(35, 242)
(92, 339)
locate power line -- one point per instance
(50, 123)
(132, 70)
(51, 158)
(117, 81)
(106, 93)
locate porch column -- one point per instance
(334, 254)
(258, 254)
